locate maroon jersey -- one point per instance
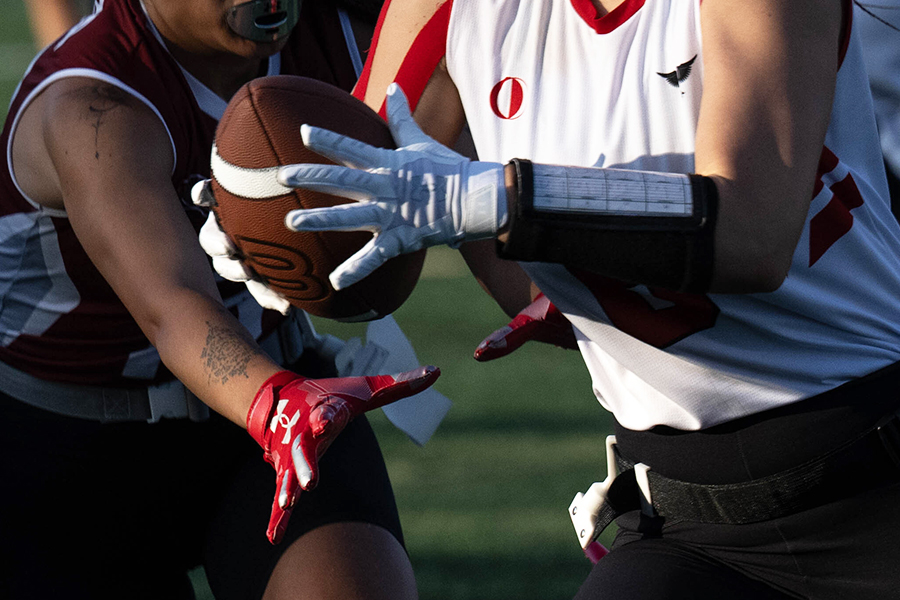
(59, 319)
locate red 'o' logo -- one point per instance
(507, 96)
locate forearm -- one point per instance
(206, 348)
(503, 280)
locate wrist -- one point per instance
(512, 190)
(484, 209)
(260, 412)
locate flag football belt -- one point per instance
(170, 400)
(869, 461)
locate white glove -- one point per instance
(226, 258)
(422, 194)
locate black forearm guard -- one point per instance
(674, 252)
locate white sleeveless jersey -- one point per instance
(547, 81)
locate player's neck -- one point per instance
(605, 6)
(220, 60)
(223, 74)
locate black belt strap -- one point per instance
(866, 462)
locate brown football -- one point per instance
(259, 132)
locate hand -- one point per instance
(422, 194)
(295, 419)
(225, 256)
(540, 321)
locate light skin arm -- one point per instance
(769, 76)
(112, 159)
(50, 19)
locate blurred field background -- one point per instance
(484, 503)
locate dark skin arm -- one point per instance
(107, 162)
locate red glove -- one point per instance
(540, 321)
(295, 419)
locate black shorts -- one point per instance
(98, 511)
(844, 548)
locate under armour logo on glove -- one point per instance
(283, 420)
(312, 413)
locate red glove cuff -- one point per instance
(261, 408)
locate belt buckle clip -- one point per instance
(585, 508)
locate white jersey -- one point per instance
(547, 81)
(881, 50)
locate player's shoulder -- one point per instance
(414, 13)
(402, 25)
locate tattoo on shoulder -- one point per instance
(227, 354)
(101, 99)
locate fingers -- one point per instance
(359, 265)
(221, 249)
(400, 121)
(335, 180)
(231, 269)
(213, 240)
(327, 420)
(495, 345)
(306, 470)
(201, 194)
(278, 523)
(540, 321)
(363, 216)
(342, 149)
(268, 298)
(285, 496)
(390, 388)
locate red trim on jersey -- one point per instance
(655, 316)
(832, 222)
(611, 20)
(421, 60)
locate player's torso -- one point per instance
(59, 319)
(625, 92)
(564, 93)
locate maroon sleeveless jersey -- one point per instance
(59, 319)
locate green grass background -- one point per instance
(483, 503)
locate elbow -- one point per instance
(769, 278)
(758, 270)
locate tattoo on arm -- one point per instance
(227, 353)
(101, 99)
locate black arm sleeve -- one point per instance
(665, 251)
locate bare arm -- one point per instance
(50, 19)
(770, 70)
(112, 159)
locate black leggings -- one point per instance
(124, 510)
(842, 549)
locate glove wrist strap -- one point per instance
(483, 213)
(261, 408)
